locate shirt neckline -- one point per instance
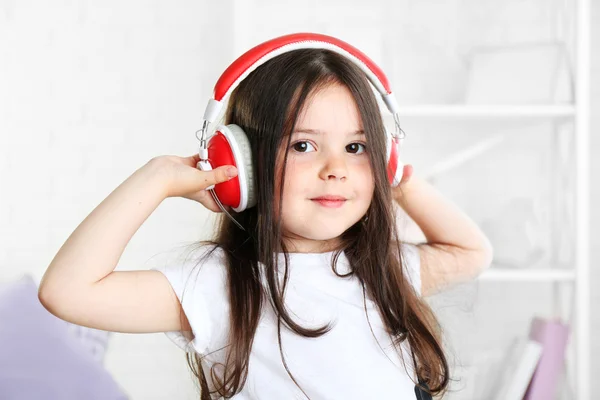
(299, 260)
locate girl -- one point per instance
(316, 297)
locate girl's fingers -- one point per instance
(218, 175)
(192, 160)
(406, 173)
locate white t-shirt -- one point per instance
(345, 363)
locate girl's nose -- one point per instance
(334, 168)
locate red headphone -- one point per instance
(230, 146)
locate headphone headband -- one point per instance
(230, 145)
(262, 53)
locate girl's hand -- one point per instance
(407, 173)
(187, 181)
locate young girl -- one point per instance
(317, 296)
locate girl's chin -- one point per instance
(312, 245)
(323, 235)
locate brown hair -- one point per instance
(266, 106)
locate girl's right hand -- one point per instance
(185, 180)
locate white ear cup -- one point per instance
(240, 147)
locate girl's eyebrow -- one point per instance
(319, 132)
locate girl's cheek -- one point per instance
(294, 165)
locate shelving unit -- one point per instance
(576, 277)
(578, 370)
(582, 129)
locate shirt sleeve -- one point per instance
(200, 283)
(411, 265)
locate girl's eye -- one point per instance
(301, 147)
(304, 146)
(355, 148)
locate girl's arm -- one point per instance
(456, 249)
(81, 286)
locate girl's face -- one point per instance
(327, 157)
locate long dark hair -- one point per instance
(266, 105)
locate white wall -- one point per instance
(89, 91)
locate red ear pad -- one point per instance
(219, 153)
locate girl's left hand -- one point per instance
(407, 173)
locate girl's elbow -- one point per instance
(47, 300)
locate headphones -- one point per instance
(230, 146)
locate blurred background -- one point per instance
(499, 101)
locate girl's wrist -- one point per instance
(401, 193)
(157, 172)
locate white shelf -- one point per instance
(499, 274)
(488, 111)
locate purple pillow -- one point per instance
(40, 358)
(94, 340)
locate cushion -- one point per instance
(94, 340)
(39, 356)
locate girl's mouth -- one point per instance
(329, 202)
